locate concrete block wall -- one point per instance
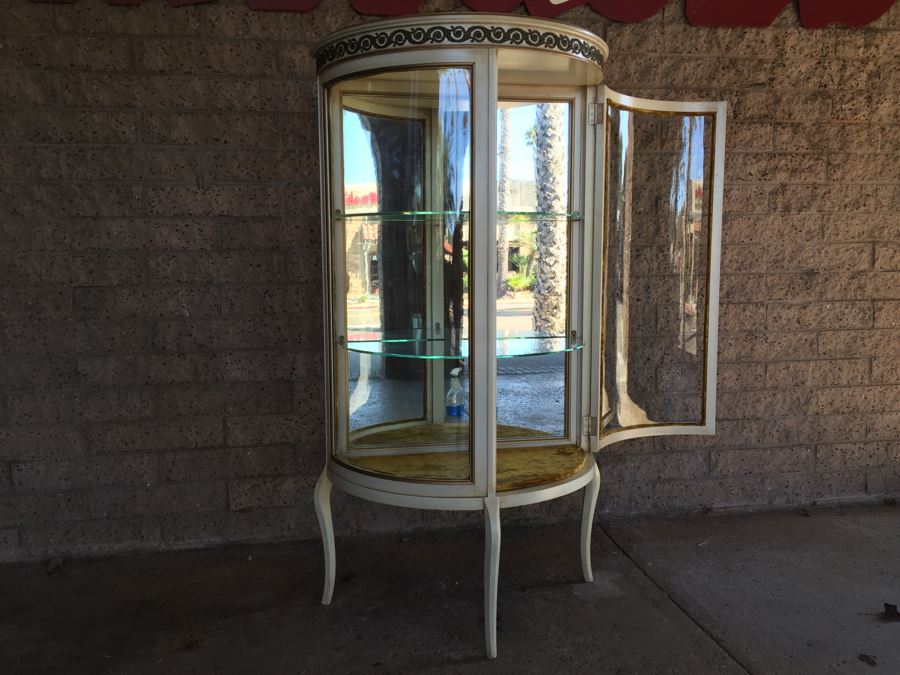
(160, 340)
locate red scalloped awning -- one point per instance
(744, 13)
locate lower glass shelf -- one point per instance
(439, 348)
(517, 468)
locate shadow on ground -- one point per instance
(767, 593)
(401, 604)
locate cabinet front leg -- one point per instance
(591, 490)
(491, 572)
(322, 497)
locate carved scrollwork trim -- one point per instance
(398, 38)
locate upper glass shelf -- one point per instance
(414, 216)
(438, 348)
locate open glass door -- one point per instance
(660, 176)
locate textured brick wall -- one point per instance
(160, 374)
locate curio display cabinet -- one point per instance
(520, 267)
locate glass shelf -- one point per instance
(414, 216)
(439, 348)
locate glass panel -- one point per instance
(405, 222)
(656, 248)
(532, 267)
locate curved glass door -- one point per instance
(402, 232)
(659, 287)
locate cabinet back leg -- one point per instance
(491, 572)
(322, 498)
(591, 490)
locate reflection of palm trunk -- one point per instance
(503, 205)
(549, 316)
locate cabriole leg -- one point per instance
(591, 490)
(322, 497)
(491, 572)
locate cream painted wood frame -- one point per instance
(718, 110)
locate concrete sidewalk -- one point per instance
(789, 592)
(765, 593)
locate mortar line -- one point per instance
(719, 643)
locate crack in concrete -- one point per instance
(681, 607)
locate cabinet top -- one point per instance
(474, 29)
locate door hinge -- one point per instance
(593, 113)
(589, 426)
